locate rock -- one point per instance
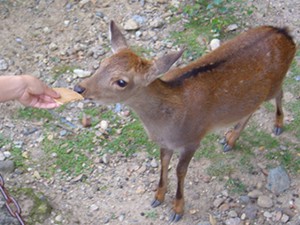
(232, 214)
(3, 65)
(2, 156)
(285, 218)
(131, 25)
(58, 218)
(278, 180)
(82, 73)
(53, 46)
(105, 158)
(157, 23)
(121, 217)
(232, 27)
(94, 208)
(218, 202)
(244, 199)
(255, 194)
(7, 166)
(267, 214)
(250, 211)
(233, 221)
(103, 125)
(264, 201)
(214, 44)
(47, 30)
(204, 223)
(154, 163)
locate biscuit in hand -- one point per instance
(67, 95)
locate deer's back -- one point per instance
(231, 82)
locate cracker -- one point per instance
(67, 95)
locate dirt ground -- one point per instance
(34, 34)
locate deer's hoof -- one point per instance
(175, 217)
(227, 148)
(155, 203)
(277, 130)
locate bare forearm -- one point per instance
(11, 88)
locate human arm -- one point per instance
(28, 90)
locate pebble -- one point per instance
(232, 214)
(58, 218)
(103, 125)
(7, 166)
(94, 207)
(214, 44)
(278, 180)
(285, 218)
(250, 211)
(204, 223)
(105, 158)
(254, 194)
(267, 214)
(154, 163)
(53, 46)
(264, 201)
(131, 25)
(81, 73)
(233, 221)
(217, 202)
(3, 65)
(2, 156)
(232, 27)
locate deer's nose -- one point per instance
(79, 89)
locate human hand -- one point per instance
(35, 93)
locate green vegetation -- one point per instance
(33, 114)
(235, 186)
(207, 19)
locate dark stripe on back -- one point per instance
(195, 72)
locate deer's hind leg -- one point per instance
(232, 135)
(278, 126)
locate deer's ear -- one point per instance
(117, 39)
(162, 65)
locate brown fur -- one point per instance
(178, 109)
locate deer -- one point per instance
(179, 106)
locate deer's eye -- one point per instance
(121, 83)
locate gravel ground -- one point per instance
(37, 36)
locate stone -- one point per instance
(267, 214)
(218, 202)
(7, 166)
(82, 73)
(214, 44)
(131, 25)
(154, 163)
(233, 221)
(254, 194)
(53, 46)
(103, 125)
(3, 65)
(94, 207)
(250, 211)
(264, 201)
(278, 180)
(232, 27)
(285, 218)
(2, 156)
(105, 158)
(157, 23)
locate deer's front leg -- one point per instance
(181, 170)
(165, 157)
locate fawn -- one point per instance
(178, 107)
